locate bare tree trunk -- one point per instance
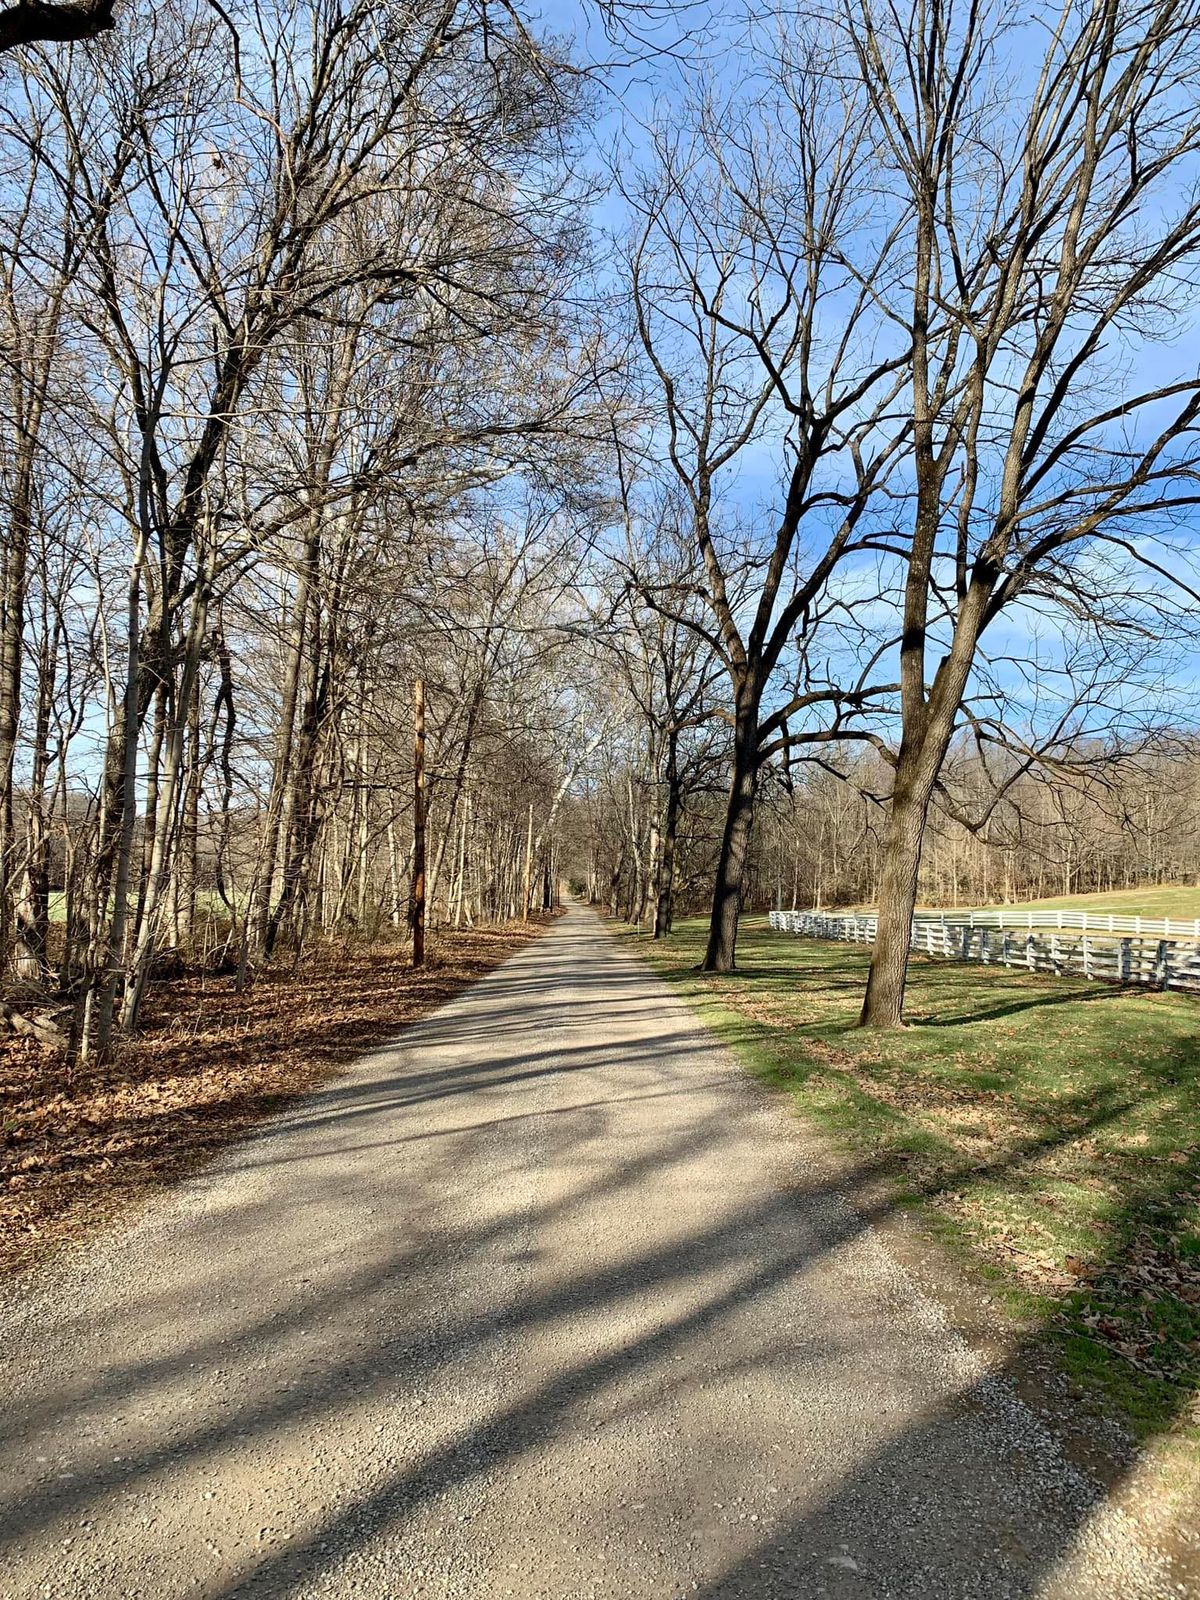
(883, 1004)
(394, 870)
(362, 794)
(462, 863)
(166, 814)
(258, 912)
(721, 950)
(185, 874)
(300, 824)
(122, 790)
(460, 778)
(528, 866)
(150, 815)
(32, 954)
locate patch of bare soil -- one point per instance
(77, 1146)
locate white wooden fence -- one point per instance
(1159, 962)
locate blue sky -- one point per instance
(1029, 635)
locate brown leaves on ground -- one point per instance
(76, 1146)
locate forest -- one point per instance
(775, 485)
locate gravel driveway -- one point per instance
(547, 1299)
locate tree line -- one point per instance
(1117, 824)
(299, 392)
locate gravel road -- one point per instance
(547, 1299)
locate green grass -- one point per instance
(207, 900)
(1047, 1128)
(1170, 900)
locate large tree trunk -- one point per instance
(719, 956)
(883, 1004)
(922, 752)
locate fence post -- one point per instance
(1123, 960)
(1031, 951)
(1161, 965)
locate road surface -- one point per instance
(546, 1299)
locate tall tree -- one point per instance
(1056, 237)
(754, 272)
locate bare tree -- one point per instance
(755, 274)
(1056, 237)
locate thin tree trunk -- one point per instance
(666, 872)
(189, 838)
(528, 865)
(166, 814)
(32, 956)
(394, 871)
(122, 790)
(462, 863)
(258, 913)
(417, 911)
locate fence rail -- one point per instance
(1158, 962)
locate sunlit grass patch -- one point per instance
(1166, 900)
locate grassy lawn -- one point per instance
(1171, 900)
(1048, 1128)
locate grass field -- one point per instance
(1049, 1129)
(1169, 900)
(207, 901)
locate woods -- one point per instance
(272, 451)
(788, 503)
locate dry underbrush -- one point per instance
(78, 1145)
